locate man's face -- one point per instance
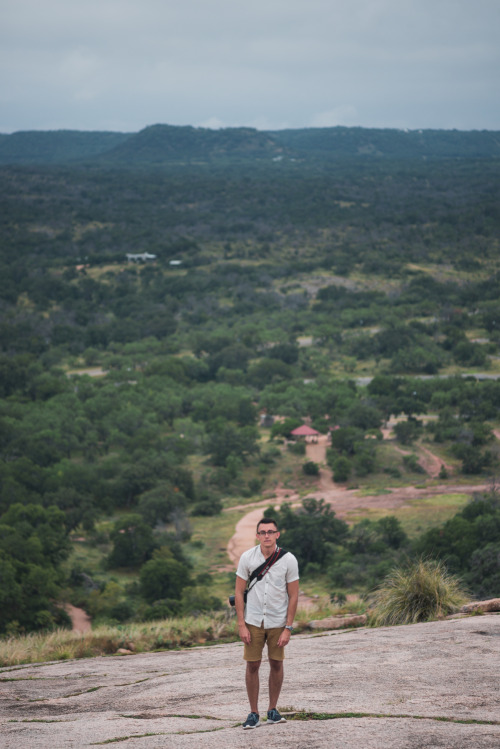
(267, 535)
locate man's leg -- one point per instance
(252, 683)
(275, 681)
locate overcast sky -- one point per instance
(125, 64)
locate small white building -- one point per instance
(141, 257)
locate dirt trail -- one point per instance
(430, 462)
(316, 451)
(244, 534)
(79, 618)
(342, 500)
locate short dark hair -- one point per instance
(266, 521)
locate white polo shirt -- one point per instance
(267, 600)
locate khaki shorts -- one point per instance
(260, 636)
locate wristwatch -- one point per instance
(289, 628)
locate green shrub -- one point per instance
(420, 592)
(471, 530)
(255, 485)
(310, 531)
(133, 542)
(411, 464)
(484, 575)
(297, 448)
(310, 468)
(163, 577)
(199, 599)
(207, 507)
(270, 455)
(408, 431)
(392, 471)
(443, 473)
(341, 469)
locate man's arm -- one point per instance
(239, 605)
(293, 599)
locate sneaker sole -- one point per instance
(255, 726)
(275, 722)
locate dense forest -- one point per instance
(337, 276)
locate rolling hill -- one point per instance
(164, 144)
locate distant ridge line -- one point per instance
(169, 144)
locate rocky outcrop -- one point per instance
(421, 685)
(493, 604)
(338, 622)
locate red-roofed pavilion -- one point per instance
(306, 432)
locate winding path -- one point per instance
(342, 500)
(80, 620)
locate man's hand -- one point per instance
(293, 597)
(239, 605)
(284, 638)
(244, 633)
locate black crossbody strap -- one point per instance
(262, 569)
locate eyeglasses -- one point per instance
(266, 533)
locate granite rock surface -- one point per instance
(424, 685)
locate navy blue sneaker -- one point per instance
(273, 716)
(252, 721)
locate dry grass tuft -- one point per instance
(420, 592)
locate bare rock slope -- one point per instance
(425, 685)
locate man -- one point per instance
(267, 616)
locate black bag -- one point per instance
(232, 599)
(259, 573)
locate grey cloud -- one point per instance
(409, 63)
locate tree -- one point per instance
(268, 371)
(416, 359)
(133, 542)
(341, 469)
(38, 534)
(364, 461)
(196, 600)
(226, 439)
(285, 428)
(10, 592)
(33, 544)
(473, 460)
(470, 530)
(309, 532)
(484, 575)
(163, 577)
(235, 356)
(286, 352)
(364, 417)
(310, 468)
(344, 441)
(407, 431)
(156, 505)
(391, 531)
